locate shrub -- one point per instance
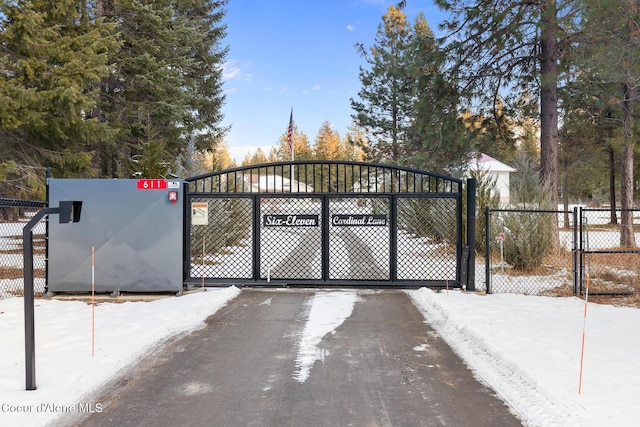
(529, 238)
(530, 234)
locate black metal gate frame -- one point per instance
(325, 180)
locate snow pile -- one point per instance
(65, 369)
(528, 349)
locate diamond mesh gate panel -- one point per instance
(222, 248)
(359, 238)
(290, 238)
(327, 222)
(426, 238)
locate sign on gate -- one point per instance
(290, 221)
(374, 220)
(199, 213)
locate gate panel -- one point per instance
(359, 238)
(223, 248)
(290, 238)
(324, 223)
(427, 238)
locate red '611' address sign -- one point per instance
(152, 184)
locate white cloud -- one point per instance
(351, 27)
(230, 70)
(315, 88)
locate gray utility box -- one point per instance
(136, 229)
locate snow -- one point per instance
(328, 311)
(65, 370)
(527, 348)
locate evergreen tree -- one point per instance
(498, 46)
(167, 78)
(54, 55)
(438, 137)
(611, 55)
(492, 132)
(384, 110)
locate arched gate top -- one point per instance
(317, 176)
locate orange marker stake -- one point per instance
(586, 301)
(584, 322)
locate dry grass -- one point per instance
(13, 273)
(558, 261)
(617, 301)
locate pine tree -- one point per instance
(612, 41)
(54, 55)
(439, 138)
(501, 46)
(168, 77)
(385, 99)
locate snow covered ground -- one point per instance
(527, 348)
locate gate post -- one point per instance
(487, 248)
(471, 234)
(576, 252)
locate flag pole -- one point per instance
(291, 143)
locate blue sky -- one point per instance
(297, 54)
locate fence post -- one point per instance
(575, 251)
(471, 234)
(580, 251)
(487, 249)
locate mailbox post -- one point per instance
(68, 212)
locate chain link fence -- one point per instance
(530, 252)
(610, 257)
(14, 214)
(539, 252)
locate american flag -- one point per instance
(290, 133)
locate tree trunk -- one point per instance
(565, 192)
(627, 238)
(549, 100)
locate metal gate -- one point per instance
(324, 223)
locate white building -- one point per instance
(494, 169)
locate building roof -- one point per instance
(484, 162)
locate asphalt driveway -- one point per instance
(383, 366)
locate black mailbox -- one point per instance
(70, 211)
